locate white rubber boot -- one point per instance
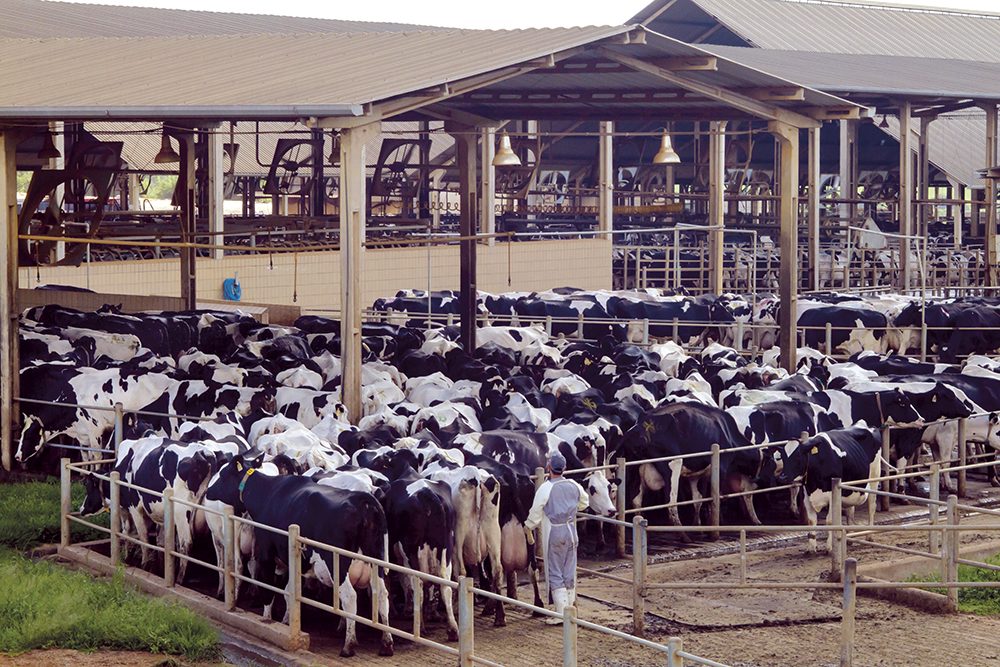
(559, 598)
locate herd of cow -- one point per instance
(234, 414)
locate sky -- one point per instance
(466, 13)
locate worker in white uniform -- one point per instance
(557, 501)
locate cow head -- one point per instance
(224, 486)
(601, 493)
(32, 438)
(897, 408)
(942, 402)
(97, 492)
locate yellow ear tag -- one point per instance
(814, 450)
(239, 467)
(587, 361)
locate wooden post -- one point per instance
(417, 585)
(569, 636)
(65, 502)
(606, 177)
(114, 521)
(487, 177)
(466, 622)
(848, 166)
(933, 536)
(465, 150)
(905, 191)
(8, 292)
(885, 485)
(216, 188)
(788, 139)
(640, 548)
(924, 174)
(119, 432)
(229, 558)
(716, 506)
(353, 212)
(963, 453)
(813, 204)
(188, 217)
(849, 607)
(990, 203)
(951, 551)
(169, 537)
(293, 592)
(716, 203)
(674, 648)
(620, 505)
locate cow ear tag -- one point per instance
(587, 361)
(814, 450)
(239, 467)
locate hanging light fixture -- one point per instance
(884, 125)
(505, 155)
(666, 154)
(167, 152)
(49, 150)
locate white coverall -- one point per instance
(556, 503)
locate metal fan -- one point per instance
(291, 170)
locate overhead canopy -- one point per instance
(838, 27)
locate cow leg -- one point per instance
(142, 526)
(745, 485)
(675, 480)
(380, 596)
(696, 497)
(217, 544)
(447, 597)
(182, 530)
(349, 603)
(793, 500)
(811, 520)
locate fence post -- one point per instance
(169, 536)
(293, 593)
(933, 537)
(115, 519)
(640, 547)
(923, 341)
(677, 331)
(645, 331)
(228, 558)
(119, 426)
(963, 425)
(716, 507)
(579, 325)
(569, 636)
(620, 506)
(65, 502)
(539, 480)
(886, 484)
(417, 585)
(674, 648)
(829, 338)
(739, 335)
(466, 622)
(847, 618)
(837, 535)
(548, 325)
(951, 555)
(743, 556)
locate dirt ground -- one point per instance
(65, 658)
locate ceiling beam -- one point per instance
(790, 94)
(724, 95)
(837, 113)
(944, 108)
(688, 63)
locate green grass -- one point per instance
(29, 515)
(46, 606)
(980, 601)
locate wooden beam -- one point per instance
(216, 190)
(836, 113)
(905, 190)
(465, 152)
(943, 108)
(848, 166)
(706, 34)
(716, 203)
(792, 94)
(353, 209)
(487, 180)
(726, 96)
(8, 310)
(992, 279)
(606, 177)
(787, 138)
(188, 217)
(688, 63)
(813, 207)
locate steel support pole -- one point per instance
(487, 179)
(8, 292)
(716, 203)
(813, 204)
(353, 210)
(465, 152)
(188, 218)
(905, 191)
(788, 183)
(216, 188)
(992, 160)
(606, 177)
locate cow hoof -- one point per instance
(347, 652)
(499, 623)
(452, 635)
(386, 649)
(537, 613)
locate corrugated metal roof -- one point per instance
(838, 27)
(42, 18)
(876, 74)
(278, 75)
(957, 144)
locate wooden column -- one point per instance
(8, 290)
(924, 211)
(787, 138)
(716, 203)
(957, 210)
(813, 204)
(606, 178)
(990, 204)
(487, 177)
(848, 165)
(216, 188)
(188, 217)
(905, 206)
(317, 198)
(353, 211)
(465, 152)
